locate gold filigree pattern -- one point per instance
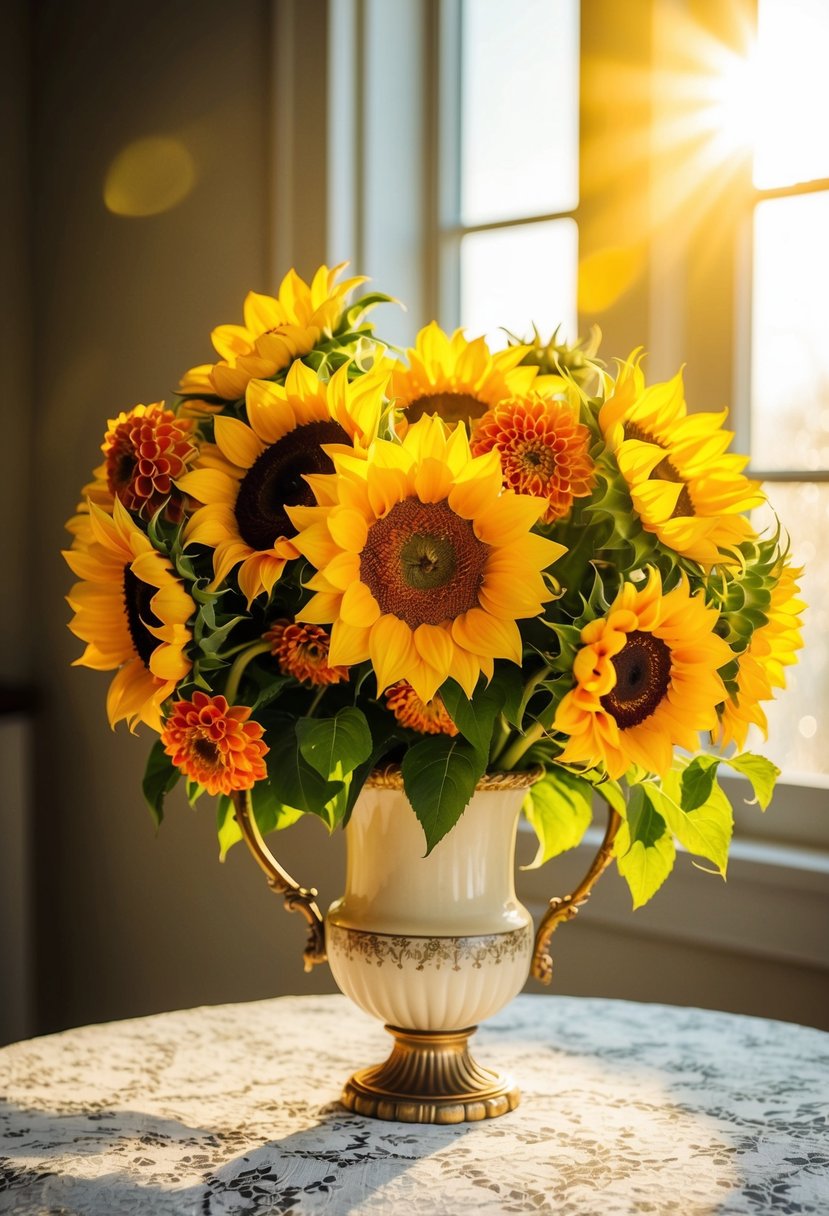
(452, 953)
(391, 778)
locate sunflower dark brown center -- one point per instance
(137, 596)
(664, 471)
(452, 407)
(643, 675)
(276, 480)
(423, 563)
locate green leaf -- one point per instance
(439, 776)
(269, 814)
(705, 831)
(760, 772)
(559, 809)
(194, 791)
(293, 781)
(644, 849)
(270, 692)
(613, 795)
(508, 680)
(698, 781)
(228, 829)
(160, 776)
(386, 734)
(474, 718)
(335, 746)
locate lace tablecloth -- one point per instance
(233, 1109)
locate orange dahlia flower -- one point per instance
(302, 652)
(429, 717)
(544, 450)
(215, 744)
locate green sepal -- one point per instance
(160, 775)
(559, 809)
(439, 776)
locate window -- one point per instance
(509, 166)
(786, 318)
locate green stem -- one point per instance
(499, 750)
(238, 668)
(317, 698)
(529, 688)
(509, 759)
(500, 739)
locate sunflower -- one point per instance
(215, 744)
(761, 667)
(685, 486)
(428, 717)
(646, 680)
(424, 566)
(302, 652)
(132, 612)
(543, 447)
(145, 450)
(264, 468)
(276, 331)
(458, 379)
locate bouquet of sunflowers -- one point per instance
(328, 556)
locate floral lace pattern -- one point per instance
(233, 1111)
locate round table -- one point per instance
(233, 1109)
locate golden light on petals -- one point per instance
(762, 666)
(543, 448)
(145, 450)
(457, 379)
(427, 717)
(302, 652)
(646, 680)
(412, 585)
(270, 464)
(276, 331)
(215, 744)
(686, 487)
(133, 613)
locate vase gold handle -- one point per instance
(565, 907)
(297, 898)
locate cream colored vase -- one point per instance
(432, 946)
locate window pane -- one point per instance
(790, 324)
(792, 92)
(512, 277)
(799, 717)
(519, 108)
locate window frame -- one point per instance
(670, 311)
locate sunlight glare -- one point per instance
(149, 176)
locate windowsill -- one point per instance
(774, 905)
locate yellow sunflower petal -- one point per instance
(237, 442)
(391, 650)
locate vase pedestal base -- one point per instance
(430, 1077)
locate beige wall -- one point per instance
(128, 922)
